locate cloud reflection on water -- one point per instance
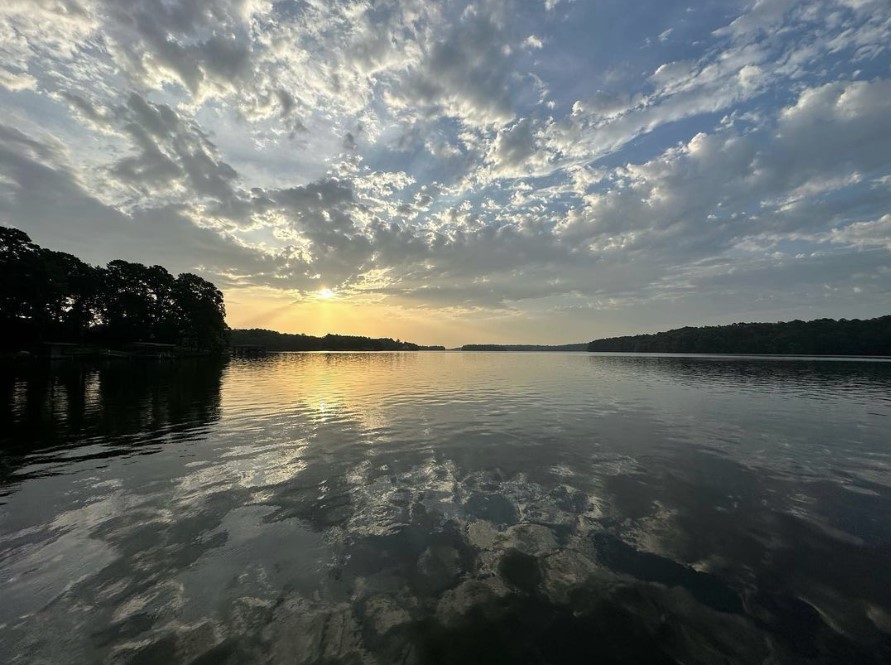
(467, 508)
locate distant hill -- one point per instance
(276, 341)
(871, 337)
(524, 347)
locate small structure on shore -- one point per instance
(248, 351)
(150, 349)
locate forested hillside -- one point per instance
(870, 337)
(524, 347)
(276, 341)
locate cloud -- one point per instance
(42, 188)
(201, 46)
(762, 15)
(482, 156)
(470, 73)
(514, 152)
(839, 127)
(876, 233)
(16, 81)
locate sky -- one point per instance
(541, 171)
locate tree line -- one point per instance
(870, 337)
(276, 341)
(50, 296)
(524, 347)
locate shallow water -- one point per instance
(447, 508)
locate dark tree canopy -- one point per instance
(53, 296)
(871, 337)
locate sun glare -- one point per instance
(325, 294)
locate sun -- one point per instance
(325, 294)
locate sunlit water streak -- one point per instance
(447, 507)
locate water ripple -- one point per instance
(447, 507)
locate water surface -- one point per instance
(447, 508)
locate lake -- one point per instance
(447, 508)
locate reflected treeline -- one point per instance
(117, 403)
(812, 376)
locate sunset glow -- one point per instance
(490, 171)
(445, 332)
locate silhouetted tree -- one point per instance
(200, 311)
(53, 296)
(18, 289)
(71, 295)
(137, 302)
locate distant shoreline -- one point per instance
(524, 347)
(668, 354)
(746, 356)
(821, 337)
(272, 341)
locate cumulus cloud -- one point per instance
(42, 187)
(471, 72)
(515, 152)
(726, 186)
(459, 154)
(15, 81)
(876, 233)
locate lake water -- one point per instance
(447, 508)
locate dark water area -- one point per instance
(447, 508)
